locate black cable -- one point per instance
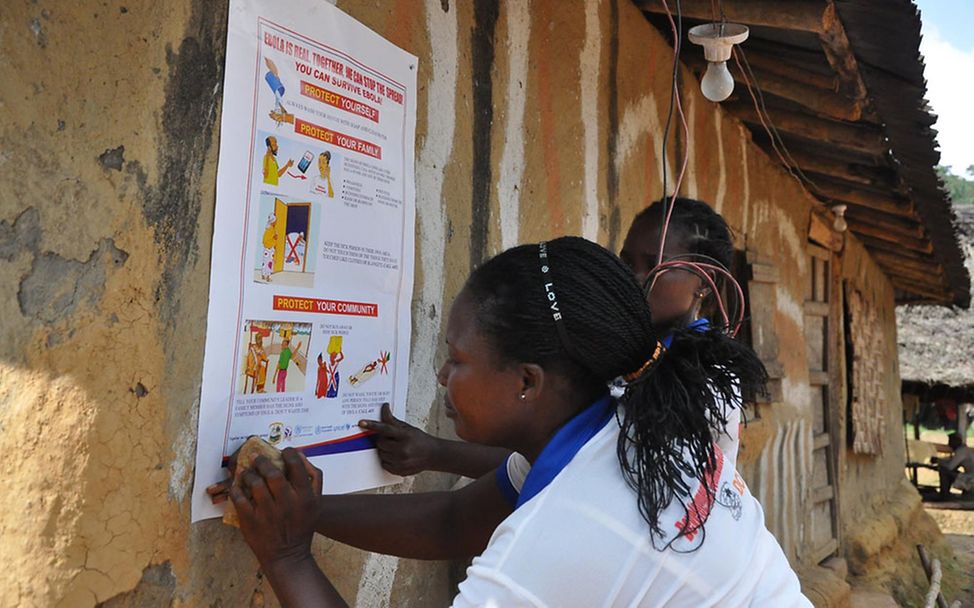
(677, 47)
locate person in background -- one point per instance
(950, 470)
(677, 299)
(612, 501)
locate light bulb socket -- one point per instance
(718, 39)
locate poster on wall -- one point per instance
(312, 264)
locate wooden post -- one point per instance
(928, 570)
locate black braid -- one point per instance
(665, 430)
(702, 235)
(699, 229)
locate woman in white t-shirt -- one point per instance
(622, 502)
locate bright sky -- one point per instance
(948, 50)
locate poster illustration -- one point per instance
(312, 265)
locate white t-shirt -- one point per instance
(581, 541)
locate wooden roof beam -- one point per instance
(843, 172)
(790, 56)
(909, 263)
(896, 226)
(927, 283)
(870, 229)
(802, 15)
(938, 295)
(774, 59)
(838, 50)
(864, 198)
(890, 244)
(858, 138)
(793, 87)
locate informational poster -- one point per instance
(312, 265)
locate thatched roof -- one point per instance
(843, 85)
(936, 343)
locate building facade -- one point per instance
(535, 120)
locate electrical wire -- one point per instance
(710, 271)
(757, 97)
(677, 29)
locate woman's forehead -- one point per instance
(644, 236)
(460, 319)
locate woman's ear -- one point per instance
(532, 381)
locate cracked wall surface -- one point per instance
(533, 122)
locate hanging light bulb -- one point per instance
(839, 224)
(718, 40)
(717, 83)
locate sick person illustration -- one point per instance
(378, 365)
(257, 364)
(328, 376)
(272, 172)
(269, 241)
(283, 361)
(321, 185)
(296, 246)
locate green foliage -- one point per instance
(960, 188)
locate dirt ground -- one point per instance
(958, 529)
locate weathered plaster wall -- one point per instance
(534, 121)
(868, 478)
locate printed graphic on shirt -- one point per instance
(688, 518)
(730, 498)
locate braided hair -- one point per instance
(695, 225)
(576, 310)
(699, 234)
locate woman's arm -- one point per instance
(276, 511)
(431, 525)
(303, 584)
(279, 511)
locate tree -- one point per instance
(961, 189)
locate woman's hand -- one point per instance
(278, 509)
(403, 449)
(220, 491)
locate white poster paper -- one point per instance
(312, 265)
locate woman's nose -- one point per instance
(441, 375)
